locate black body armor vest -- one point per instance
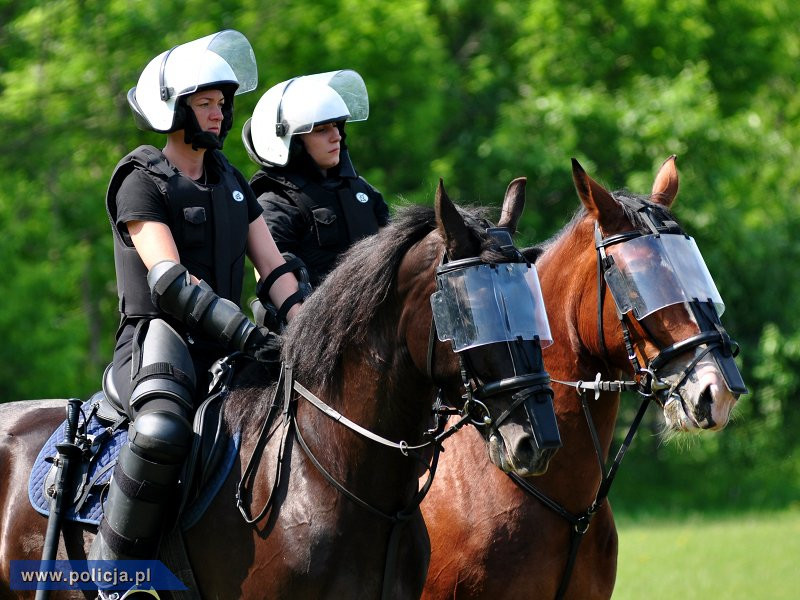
(335, 218)
(209, 227)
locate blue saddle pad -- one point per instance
(91, 511)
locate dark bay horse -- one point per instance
(490, 538)
(363, 346)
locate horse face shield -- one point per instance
(477, 305)
(650, 272)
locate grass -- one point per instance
(753, 556)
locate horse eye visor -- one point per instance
(480, 304)
(651, 272)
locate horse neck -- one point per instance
(569, 287)
(380, 388)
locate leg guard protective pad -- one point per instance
(161, 368)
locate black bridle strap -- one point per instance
(600, 291)
(249, 469)
(667, 354)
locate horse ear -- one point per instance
(597, 200)
(665, 186)
(532, 253)
(513, 204)
(457, 239)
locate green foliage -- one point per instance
(738, 558)
(475, 92)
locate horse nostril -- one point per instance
(703, 408)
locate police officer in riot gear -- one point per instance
(183, 220)
(314, 201)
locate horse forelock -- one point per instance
(639, 209)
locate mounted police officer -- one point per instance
(183, 220)
(314, 201)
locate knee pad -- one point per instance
(161, 436)
(162, 367)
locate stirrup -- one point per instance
(135, 593)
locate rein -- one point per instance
(580, 522)
(289, 384)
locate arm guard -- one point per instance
(265, 312)
(199, 307)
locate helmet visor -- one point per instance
(484, 304)
(224, 57)
(235, 50)
(652, 272)
(351, 88)
(312, 100)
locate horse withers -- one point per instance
(321, 500)
(627, 294)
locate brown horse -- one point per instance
(338, 485)
(493, 538)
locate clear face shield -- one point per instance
(311, 100)
(481, 304)
(484, 304)
(189, 66)
(652, 272)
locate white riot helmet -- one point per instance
(298, 105)
(224, 58)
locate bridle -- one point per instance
(646, 383)
(530, 390)
(712, 335)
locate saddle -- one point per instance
(102, 431)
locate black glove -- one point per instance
(264, 346)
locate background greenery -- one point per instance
(472, 91)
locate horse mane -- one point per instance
(344, 307)
(341, 310)
(348, 301)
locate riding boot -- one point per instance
(134, 511)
